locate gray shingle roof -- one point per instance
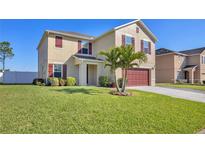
(71, 33)
(185, 52)
(193, 51)
(163, 51)
(190, 66)
(87, 57)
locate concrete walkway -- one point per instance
(178, 93)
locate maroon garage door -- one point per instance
(138, 77)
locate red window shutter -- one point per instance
(149, 47)
(133, 42)
(64, 71)
(123, 40)
(90, 48)
(59, 41)
(142, 45)
(79, 46)
(50, 70)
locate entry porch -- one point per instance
(89, 69)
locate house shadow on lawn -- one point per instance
(87, 91)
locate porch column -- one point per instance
(98, 74)
(191, 75)
(82, 74)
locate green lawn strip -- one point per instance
(34, 109)
(188, 86)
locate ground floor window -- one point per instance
(57, 71)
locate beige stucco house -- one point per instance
(64, 54)
(186, 66)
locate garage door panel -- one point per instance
(138, 77)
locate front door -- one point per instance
(186, 74)
(91, 74)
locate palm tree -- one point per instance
(112, 61)
(128, 59)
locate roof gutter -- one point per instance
(71, 35)
(92, 60)
(190, 68)
(172, 53)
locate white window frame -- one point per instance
(61, 70)
(82, 47)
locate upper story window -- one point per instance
(57, 70)
(58, 42)
(128, 40)
(203, 59)
(85, 47)
(146, 46)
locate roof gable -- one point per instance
(138, 22)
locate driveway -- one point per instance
(178, 93)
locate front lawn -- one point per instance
(186, 86)
(34, 109)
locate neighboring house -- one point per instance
(63, 54)
(188, 65)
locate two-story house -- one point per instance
(173, 66)
(63, 54)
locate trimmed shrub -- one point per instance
(104, 81)
(62, 82)
(71, 81)
(203, 81)
(40, 84)
(52, 82)
(36, 81)
(120, 82)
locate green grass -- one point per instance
(34, 109)
(188, 86)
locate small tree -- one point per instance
(5, 52)
(112, 61)
(128, 59)
(123, 57)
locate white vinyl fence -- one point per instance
(1, 77)
(16, 77)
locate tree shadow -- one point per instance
(87, 91)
